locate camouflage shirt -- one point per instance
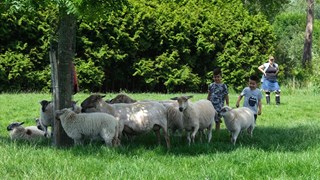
(217, 95)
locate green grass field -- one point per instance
(285, 145)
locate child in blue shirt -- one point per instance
(252, 96)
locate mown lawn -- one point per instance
(285, 145)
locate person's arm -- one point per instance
(208, 98)
(277, 70)
(259, 107)
(238, 101)
(227, 99)
(261, 68)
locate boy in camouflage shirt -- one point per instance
(218, 94)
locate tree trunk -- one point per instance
(62, 72)
(307, 51)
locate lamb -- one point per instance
(46, 114)
(175, 121)
(197, 116)
(29, 133)
(135, 118)
(238, 119)
(92, 125)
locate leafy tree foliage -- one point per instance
(153, 45)
(25, 38)
(269, 8)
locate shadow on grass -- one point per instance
(272, 139)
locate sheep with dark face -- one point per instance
(237, 120)
(29, 133)
(46, 114)
(136, 118)
(91, 125)
(121, 98)
(197, 116)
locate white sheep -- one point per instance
(46, 114)
(30, 133)
(136, 118)
(237, 120)
(197, 116)
(91, 125)
(175, 121)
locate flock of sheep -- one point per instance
(112, 120)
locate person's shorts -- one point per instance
(270, 85)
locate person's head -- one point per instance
(253, 82)
(217, 75)
(271, 59)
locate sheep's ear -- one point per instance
(174, 98)
(74, 102)
(108, 101)
(224, 109)
(29, 132)
(21, 123)
(44, 104)
(188, 97)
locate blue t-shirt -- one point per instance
(251, 98)
(217, 95)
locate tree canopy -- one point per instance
(146, 45)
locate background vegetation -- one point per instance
(285, 145)
(160, 46)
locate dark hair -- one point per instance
(217, 71)
(254, 78)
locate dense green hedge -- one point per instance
(148, 45)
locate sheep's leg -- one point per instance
(156, 129)
(78, 141)
(210, 133)
(201, 133)
(106, 137)
(188, 138)
(193, 135)
(46, 131)
(250, 131)
(166, 137)
(234, 136)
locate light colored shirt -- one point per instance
(251, 98)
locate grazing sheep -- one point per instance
(136, 118)
(197, 116)
(30, 133)
(237, 120)
(92, 125)
(46, 114)
(121, 98)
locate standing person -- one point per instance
(218, 94)
(252, 96)
(270, 84)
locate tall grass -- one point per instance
(285, 145)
